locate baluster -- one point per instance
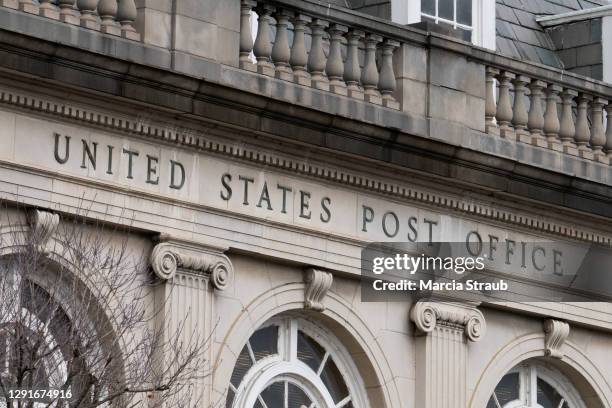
(246, 38)
(608, 146)
(551, 117)
(281, 51)
(387, 83)
(263, 45)
(519, 118)
(316, 57)
(583, 133)
(535, 123)
(14, 4)
(568, 130)
(28, 6)
(598, 136)
(88, 10)
(48, 9)
(126, 15)
(352, 70)
(369, 75)
(299, 56)
(335, 65)
(107, 10)
(490, 105)
(67, 12)
(504, 109)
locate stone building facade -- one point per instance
(254, 162)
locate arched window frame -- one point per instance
(286, 366)
(529, 372)
(483, 19)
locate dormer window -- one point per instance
(473, 19)
(454, 13)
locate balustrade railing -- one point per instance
(114, 17)
(549, 114)
(344, 60)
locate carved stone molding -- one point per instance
(169, 257)
(427, 316)
(43, 225)
(196, 139)
(556, 333)
(317, 284)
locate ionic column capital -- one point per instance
(429, 316)
(168, 257)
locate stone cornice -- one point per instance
(201, 142)
(427, 316)
(168, 257)
(573, 16)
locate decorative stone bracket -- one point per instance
(427, 316)
(317, 284)
(43, 225)
(556, 333)
(168, 257)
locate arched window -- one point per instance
(294, 363)
(535, 385)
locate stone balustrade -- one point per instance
(548, 114)
(114, 17)
(342, 59)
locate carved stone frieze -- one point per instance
(556, 333)
(192, 138)
(317, 284)
(427, 316)
(169, 257)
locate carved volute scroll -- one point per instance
(169, 257)
(556, 333)
(317, 284)
(43, 225)
(427, 316)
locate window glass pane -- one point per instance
(243, 364)
(230, 398)
(309, 351)
(333, 381)
(297, 398)
(548, 397)
(445, 9)
(428, 7)
(423, 18)
(491, 403)
(274, 395)
(464, 12)
(264, 342)
(508, 389)
(465, 35)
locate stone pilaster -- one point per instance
(443, 331)
(184, 302)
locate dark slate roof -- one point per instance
(520, 36)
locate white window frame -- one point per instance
(483, 19)
(528, 376)
(285, 366)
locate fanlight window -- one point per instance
(534, 385)
(286, 364)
